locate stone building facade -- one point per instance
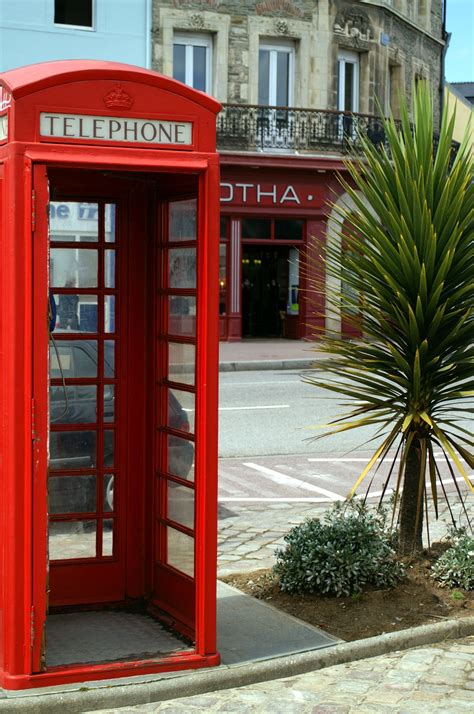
(297, 79)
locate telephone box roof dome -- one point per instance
(32, 78)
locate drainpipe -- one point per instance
(446, 36)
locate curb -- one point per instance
(113, 694)
(257, 365)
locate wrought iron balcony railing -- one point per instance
(259, 128)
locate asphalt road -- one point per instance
(267, 424)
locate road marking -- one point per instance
(290, 481)
(266, 406)
(300, 499)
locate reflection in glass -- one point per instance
(182, 268)
(108, 448)
(72, 450)
(109, 402)
(76, 221)
(182, 315)
(72, 539)
(182, 362)
(180, 551)
(182, 218)
(108, 493)
(73, 404)
(72, 494)
(179, 62)
(181, 410)
(181, 504)
(109, 268)
(180, 455)
(110, 211)
(109, 358)
(73, 268)
(109, 313)
(108, 537)
(73, 358)
(75, 313)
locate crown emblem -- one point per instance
(118, 98)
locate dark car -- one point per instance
(77, 404)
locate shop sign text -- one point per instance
(255, 194)
(105, 128)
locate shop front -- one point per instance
(108, 398)
(274, 213)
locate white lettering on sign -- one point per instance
(103, 128)
(254, 193)
(5, 99)
(3, 127)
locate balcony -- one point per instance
(287, 130)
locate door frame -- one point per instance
(206, 374)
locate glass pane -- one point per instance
(180, 457)
(224, 227)
(289, 230)
(72, 539)
(108, 493)
(182, 220)
(181, 504)
(256, 228)
(73, 221)
(283, 73)
(348, 86)
(179, 62)
(73, 404)
(182, 316)
(108, 537)
(263, 77)
(109, 455)
(109, 313)
(73, 358)
(180, 551)
(75, 313)
(222, 279)
(109, 358)
(109, 402)
(109, 268)
(199, 68)
(182, 268)
(72, 494)
(110, 223)
(73, 268)
(181, 410)
(182, 362)
(72, 450)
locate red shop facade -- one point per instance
(274, 213)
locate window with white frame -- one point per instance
(276, 64)
(76, 13)
(348, 81)
(192, 60)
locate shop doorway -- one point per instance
(265, 290)
(121, 492)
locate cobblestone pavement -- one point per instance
(438, 678)
(249, 534)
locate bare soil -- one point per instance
(417, 600)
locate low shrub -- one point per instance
(455, 568)
(349, 549)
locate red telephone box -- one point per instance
(108, 360)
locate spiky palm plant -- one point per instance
(409, 283)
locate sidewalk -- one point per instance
(256, 354)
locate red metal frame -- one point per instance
(79, 87)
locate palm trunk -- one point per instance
(411, 529)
